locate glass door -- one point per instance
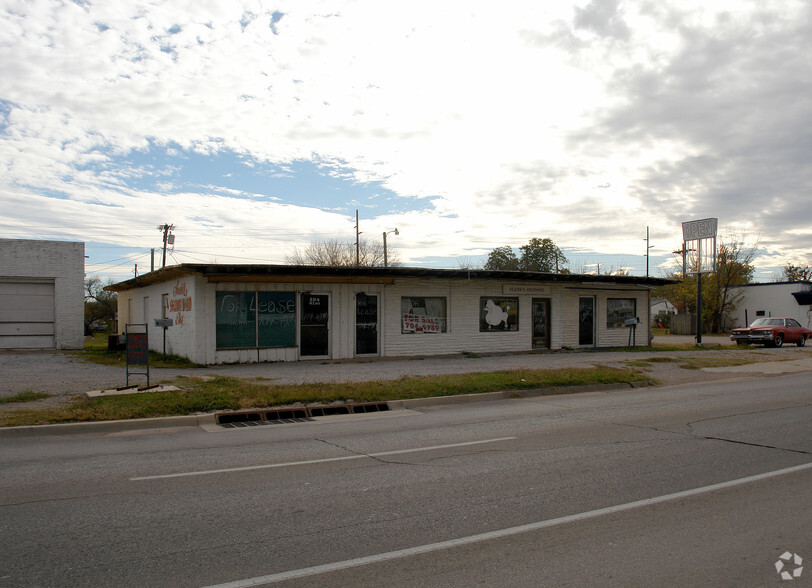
(315, 325)
(586, 321)
(366, 324)
(541, 323)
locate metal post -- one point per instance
(357, 241)
(699, 308)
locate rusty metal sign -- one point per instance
(137, 351)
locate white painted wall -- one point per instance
(62, 262)
(195, 335)
(144, 305)
(774, 299)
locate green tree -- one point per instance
(100, 306)
(541, 255)
(502, 258)
(734, 267)
(797, 273)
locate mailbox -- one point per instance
(167, 322)
(631, 322)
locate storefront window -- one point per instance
(498, 314)
(255, 319)
(618, 310)
(423, 314)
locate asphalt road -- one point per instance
(678, 485)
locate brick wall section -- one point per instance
(60, 261)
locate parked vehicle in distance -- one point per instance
(772, 331)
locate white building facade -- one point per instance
(265, 313)
(41, 294)
(779, 299)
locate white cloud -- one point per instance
(513, 117)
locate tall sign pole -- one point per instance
(703, 232)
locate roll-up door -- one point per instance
(26, 314)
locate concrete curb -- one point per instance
(197, 420)
(507, 394)
(193, 420)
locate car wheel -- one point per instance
(802, 341)
(778, 341)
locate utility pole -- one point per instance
(168, 238)
(684, 252)
(648, 246)
(152, 260)
(357, 241)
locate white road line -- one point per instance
(325, 460)
(421, 549)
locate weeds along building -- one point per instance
(258, 313)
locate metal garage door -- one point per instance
(26, 314)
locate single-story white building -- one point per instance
(258, 313)
(780, 299)
(661, 306)
(41, 294)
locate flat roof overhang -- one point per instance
(803, 297)
(221, 273)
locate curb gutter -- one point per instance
(197, 420)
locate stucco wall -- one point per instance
(60, 261)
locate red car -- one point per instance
(772, 331)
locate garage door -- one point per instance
(26, 315)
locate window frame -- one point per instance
(506, 304)
(418, 322)
(265, 328)
(620, 316)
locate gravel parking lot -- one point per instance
(59, 373)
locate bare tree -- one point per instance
(100, 305)
(468, 263)
(333, 252)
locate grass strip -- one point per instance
(25, 396)
(222, 393)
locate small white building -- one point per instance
(779, 299)
(260, 313)
(41, 294)
(661, 307)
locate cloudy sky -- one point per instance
(256, 127)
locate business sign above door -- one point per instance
(506, 289)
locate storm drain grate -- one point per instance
(254, 418)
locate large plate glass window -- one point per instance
(276, 312)
(498, 314)
(618, 310)
(423, 314)
(236, 318)
(255, 319)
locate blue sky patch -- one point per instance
(326, 186)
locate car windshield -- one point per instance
(767, 322)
